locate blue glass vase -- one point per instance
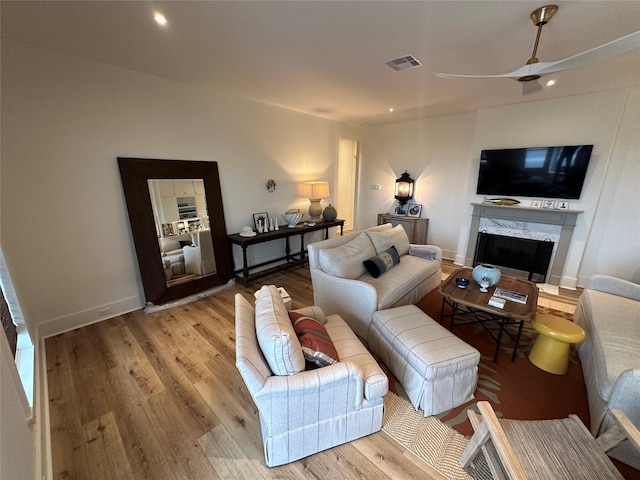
(486, 272)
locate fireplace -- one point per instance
(528, 257)
(556, 226)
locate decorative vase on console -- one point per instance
(330, 213)
(486, 275)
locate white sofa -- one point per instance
(609, 312)
(305, 411)
(341, 283)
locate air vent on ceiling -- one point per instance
(403, 63)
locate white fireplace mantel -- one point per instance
(565, 218)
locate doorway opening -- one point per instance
(347, 191)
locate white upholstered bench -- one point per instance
(437, 369)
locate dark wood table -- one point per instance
(289, 259)
(470, 306)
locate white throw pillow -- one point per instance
(276, 336)
(392, 237)
(346, 260)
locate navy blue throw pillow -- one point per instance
(379, 264)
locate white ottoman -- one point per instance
(437, 369)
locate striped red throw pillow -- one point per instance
(317, 346)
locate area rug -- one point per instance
(516, 390)
(429, 439)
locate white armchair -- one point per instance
(172, 253)
(306, 412)
(199, 257)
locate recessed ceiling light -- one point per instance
(391, 109)
(159, 18)
(551, 83)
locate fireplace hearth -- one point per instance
(528, 257)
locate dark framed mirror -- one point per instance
(138, 175)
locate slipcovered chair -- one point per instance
(545, 449)
(172, 253)
(199, 257)
(303, 412)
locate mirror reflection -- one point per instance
(181, 219)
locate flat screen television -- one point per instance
(547, 172)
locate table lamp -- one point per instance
(315, 191)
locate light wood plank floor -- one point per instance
(158, 396)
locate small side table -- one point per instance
(416, 227)
(550, 352)
(283, 294)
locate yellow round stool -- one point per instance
(550, 352)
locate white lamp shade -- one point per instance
(314, 190)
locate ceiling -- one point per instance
(327, 58)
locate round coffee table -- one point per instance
(550, 352)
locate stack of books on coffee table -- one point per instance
(510, 295)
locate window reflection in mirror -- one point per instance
(182, 226)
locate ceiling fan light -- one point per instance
(160, 19)
(528, 78)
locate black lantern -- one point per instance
(404, 190)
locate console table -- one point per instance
(292, 259)
(416, 227)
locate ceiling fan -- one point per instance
(529, 74)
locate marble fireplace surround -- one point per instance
(524, 222)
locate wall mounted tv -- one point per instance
(547, 172)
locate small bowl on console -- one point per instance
(462, 282)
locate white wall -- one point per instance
(613, 244)
(436, 153)
(443, 155)
(65, 229)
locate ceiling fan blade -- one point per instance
(522, 71)
(529, 88)
(602, 52)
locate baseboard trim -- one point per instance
(569, 283)
(56, 326)
(458, 259)
(44, 455)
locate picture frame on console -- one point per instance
(414, 210)
(261, 222)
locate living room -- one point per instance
(65, 120)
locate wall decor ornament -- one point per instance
(486, 275)
(271, 186)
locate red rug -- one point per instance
(519, 389)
